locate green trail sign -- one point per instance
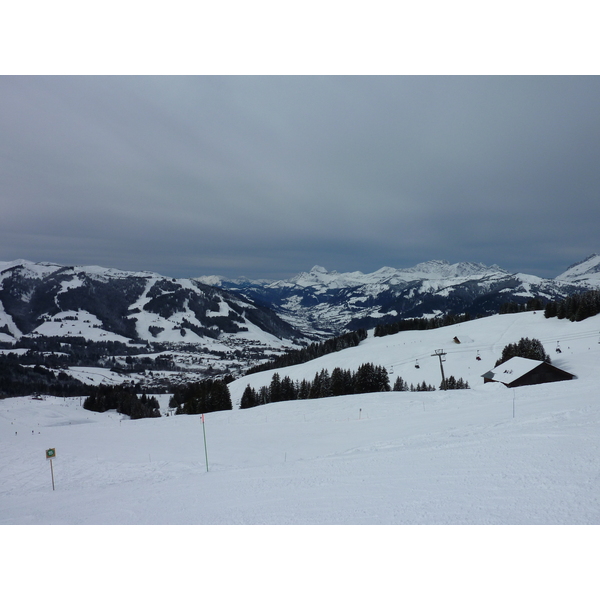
(50, 454)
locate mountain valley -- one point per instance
(100, 325)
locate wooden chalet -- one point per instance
(519, 371)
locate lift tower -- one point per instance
(440, 354)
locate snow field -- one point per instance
(392, 458)
(423, 458)
(400, 353)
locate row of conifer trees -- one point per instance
(312, 351)
(420, 324)
(576, 307)
(367, 379)
(124, 400)
(199, 397)
(189, 399)
(525, 348)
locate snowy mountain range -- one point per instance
(102, 304)
(110, 312)
(329, 303)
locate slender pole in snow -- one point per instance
(50, 454)
(205, 451)
(513, 404)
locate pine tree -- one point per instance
(550, 310)
(400, 385)
(275, 388)
(288, 389)
(338, 383)
(382, 381)
(304, 390)
(249, 398)
(321, 385)
(263, 395)
(325, 384)
(364, 379)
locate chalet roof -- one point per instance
(512, 369)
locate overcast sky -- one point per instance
(267, 176)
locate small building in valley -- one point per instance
(519, 371)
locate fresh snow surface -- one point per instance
(586, 271)
(77, 323)
(457, 457)
(488, 455)
(390, 458)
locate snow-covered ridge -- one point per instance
(332, 302)
(42, 269)
(32, 269)
(320, 278)
(219, 280)
(585, 272)
(107, 304)
(441, 269)
(318, 303)
(435, 269)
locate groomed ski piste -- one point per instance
(489, 455)
(486, 455)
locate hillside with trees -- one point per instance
(124, 400)
(525, 348)
(576, 307)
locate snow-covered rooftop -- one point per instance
(512, 369)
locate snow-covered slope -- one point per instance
(586, 272)
(485, 338)
(102, 304)
(488, 455)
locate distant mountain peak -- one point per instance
(443, 269)
(590, 262)
(319, 269)
(586, 271)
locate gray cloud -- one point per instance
(266, 176)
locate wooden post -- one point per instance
(52, 472)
